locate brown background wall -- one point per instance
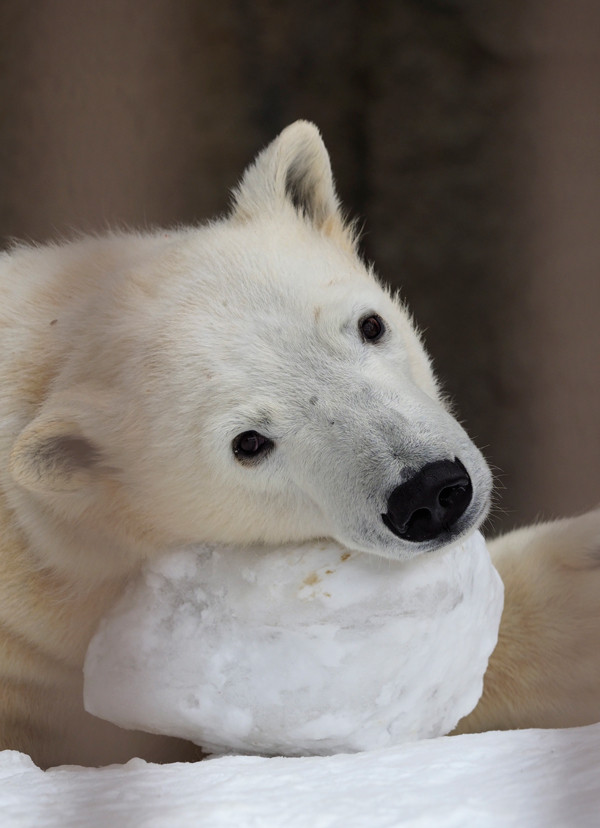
(465, 133)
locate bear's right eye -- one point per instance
(251, 446)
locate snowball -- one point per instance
(298, 650)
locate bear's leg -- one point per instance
(545, 670)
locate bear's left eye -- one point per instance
(372, 327)
(251, 446)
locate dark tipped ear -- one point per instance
(54, 456)
(58, 450)
(294, 170)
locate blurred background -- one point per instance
(464, 133)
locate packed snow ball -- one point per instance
(298, 650)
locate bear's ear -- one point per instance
(293, 169)
(55, 454)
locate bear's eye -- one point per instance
(250, 446)
(371, 327)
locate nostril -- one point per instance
(430, 502)
(451, 494)
(418, 524)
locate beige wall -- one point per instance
(467, 135)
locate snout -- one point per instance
(430, 503)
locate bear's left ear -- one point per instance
(295, 170)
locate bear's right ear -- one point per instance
(294, 170)
(55, 452)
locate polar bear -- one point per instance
(248, 381)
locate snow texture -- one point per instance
(516, 779)
(299, 650)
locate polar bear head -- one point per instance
(251, 381)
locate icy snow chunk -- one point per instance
(298, 650)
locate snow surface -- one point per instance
(516, 779)
(299, 650)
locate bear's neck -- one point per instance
(48, 617)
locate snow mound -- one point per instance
(516, 779)
(298, 650)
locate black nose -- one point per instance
(430, 502)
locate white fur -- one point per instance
(169, 345)
(128, 364)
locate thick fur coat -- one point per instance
(246, 381)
